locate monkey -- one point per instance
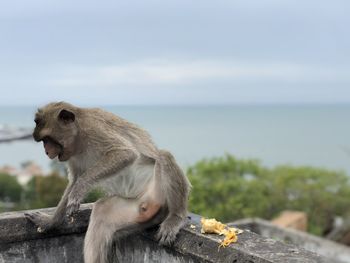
(145, 186)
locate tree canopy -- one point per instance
(228, 189)
(10, 189)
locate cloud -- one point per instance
(178, 81)
(170, 72)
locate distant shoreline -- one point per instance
(25, 137)
(14, 133)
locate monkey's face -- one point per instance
(56, 127)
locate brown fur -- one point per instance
(102, 148)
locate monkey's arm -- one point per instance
(46, 222)
(109, 164)
(60, 212)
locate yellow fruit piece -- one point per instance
(212, 226)
(230, 237)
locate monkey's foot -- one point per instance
(72, 207)
(41, 220)
(166, 235)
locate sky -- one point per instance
(174, 52)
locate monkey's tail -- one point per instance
(175, 188)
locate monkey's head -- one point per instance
(57, 128)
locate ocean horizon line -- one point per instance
(195, 105)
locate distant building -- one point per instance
(23, 175)
(8, 169)
(32, 169)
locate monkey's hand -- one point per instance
(42, 221)
(72, 206)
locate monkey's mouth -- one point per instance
(52, 147)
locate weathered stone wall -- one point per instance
(335, 252)
(20, 242)
(60, 249)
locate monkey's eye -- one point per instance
(37, 121)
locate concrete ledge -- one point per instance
(19, 242)
(335, 252)
(15, 227)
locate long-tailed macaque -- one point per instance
(145, 186)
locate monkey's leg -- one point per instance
(111, 217)
(175, 187)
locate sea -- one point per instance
(314, 135)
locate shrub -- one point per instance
(10, 189)
(228, 189)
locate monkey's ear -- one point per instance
(66, 116)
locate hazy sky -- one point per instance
(174, 52)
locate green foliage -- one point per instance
(44, 191)
(228, 189)
(10, 189)
(225, 188)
